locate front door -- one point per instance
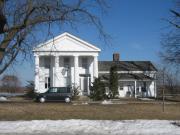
(47, 83)
(84, 84)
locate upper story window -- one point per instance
(47, 62)
(84, 63)
(66, 62)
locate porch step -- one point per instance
(83, 98)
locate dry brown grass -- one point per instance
(54, 111)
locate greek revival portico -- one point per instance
(65, 61)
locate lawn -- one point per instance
(54, 111)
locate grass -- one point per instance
(54, 111)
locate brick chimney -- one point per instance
(115, 56)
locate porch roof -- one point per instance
(128, 76)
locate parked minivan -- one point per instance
(55, 94)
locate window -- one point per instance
(137, 89)
(47, 62)
(121, 88)
(47, 82)
(66, 62)
(84, 63)
(41, 61)
(143, 89)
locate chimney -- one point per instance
(115, 56)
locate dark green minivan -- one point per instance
(55, 94)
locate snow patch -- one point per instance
(106, 102)
(109, 102)
(100, 127)
(146, 99)
(3, 99)
(83, 103)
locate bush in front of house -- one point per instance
(97, 91)
(75, 92)
(113, 82)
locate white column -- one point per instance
(91, 69)
(155, 91)
(140, 90)
(155, 85)
(36, 81)
(88, 86)
(56, 62)
(135, 89)
(76, 71)
(95, 69)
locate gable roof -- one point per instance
(66, 42)
(126, 65)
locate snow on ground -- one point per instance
(90, 127)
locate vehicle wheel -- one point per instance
(67, 100)
(42, 100)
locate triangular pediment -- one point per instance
(66, 43)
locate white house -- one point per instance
(69, 61)
(136, 78)
(65, 61)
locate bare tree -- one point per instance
(30, 89)
(168, 79)
(19, 20)
(10, 83)
(171, 40)
(2, 17)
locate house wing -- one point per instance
(66, 42)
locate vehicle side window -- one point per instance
(53, 90)
(68, 89)
(64, 90)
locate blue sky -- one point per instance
(134, 25)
